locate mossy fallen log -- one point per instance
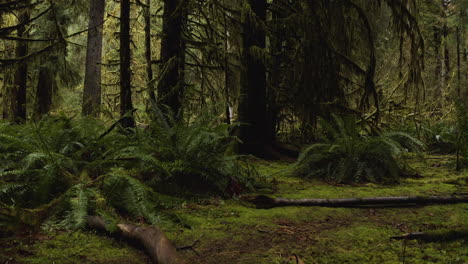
(28, 217)
(443, 235)
(156, 244)
(265, 202)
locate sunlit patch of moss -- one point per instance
(80, 247)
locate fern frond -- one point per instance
(79, 206)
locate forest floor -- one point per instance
(233, 231)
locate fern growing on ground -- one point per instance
(68, 159)
(347, 156)
(195, 154)
(91, 170)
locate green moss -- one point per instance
(80, 247)
(233, 231)
(368, 243)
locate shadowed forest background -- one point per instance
(192, 117)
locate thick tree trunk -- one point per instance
(252, 102)
(92, 83)
(44, 92)
(265, 202)
(15, 93)
(171, 84)
(156, 244)
(275, 75)
(21, 75)
(18, 101)
(126, 105)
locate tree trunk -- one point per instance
(446, 47)
(438, 77)
(275, 74)
(266, 202)
(92, 82)
(252, 101)
(18, 101)
(44, 92)
(156, 244)
(458, 64)
(227, 111)
(149, 68)
(126, 105)
(171, 84)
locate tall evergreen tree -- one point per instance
(171, 84)
(252, 101)
(92, 82)
(126, 105)
(46, 85)
(149, 68)
(21, 76)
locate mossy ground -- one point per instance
(232, 231)
(69, 248)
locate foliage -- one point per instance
(92, 171)
(197, 153)
(350, 157)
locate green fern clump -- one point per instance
(87, 169)
(195, 154)
(350, 157)
(128, 194)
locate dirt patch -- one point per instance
(261, 243)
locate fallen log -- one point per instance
(434, 235)
(265, 202)
(32, 218)
(156, 244)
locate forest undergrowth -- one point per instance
(233, 231)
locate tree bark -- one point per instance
(171, 84)
(265, 202)
(275, 76)
(156, 244)
(44, 92)
(92, 82)
(149, 68)
(458, 64)
(227, 111)
(126, 105)
(252, 101)
(447, 67)
(21, 76)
